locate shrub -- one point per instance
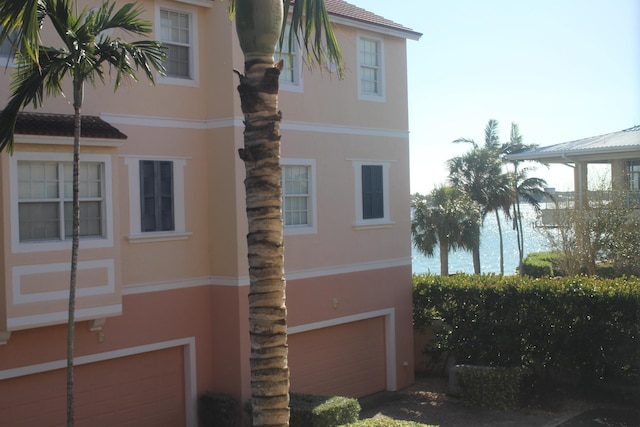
(584, 328)
(322, 411)
(384, 422)
(218, 410)
(499, 388)
(539, 264)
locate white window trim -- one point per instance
(375, 222)
(85, 242)
(381, 97)
(135, 227)
(194, 81)
(297, 84)
(312, 228)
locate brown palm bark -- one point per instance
(258, 25)
(267, 309)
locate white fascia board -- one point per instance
(375, 28)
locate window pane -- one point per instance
(175, 33)
(37, 180)
(39, 221)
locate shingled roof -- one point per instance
(62, 125)
(346, 10)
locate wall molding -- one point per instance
(237, 122)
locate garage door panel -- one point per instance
(146, 389)
(347, 359)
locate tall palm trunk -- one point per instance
(501, 242)
(444, 255)
(258, 25)
(78, 94)
(475, 253)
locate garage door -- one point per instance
(146, 389)
(347, 359)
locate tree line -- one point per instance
(480, 182)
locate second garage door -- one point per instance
(347, 359)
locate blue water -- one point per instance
(462, 262)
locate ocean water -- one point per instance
(462, 262)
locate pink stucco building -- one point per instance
(163, 283)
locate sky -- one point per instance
(561, 69)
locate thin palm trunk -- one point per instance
(475, 253)
(444, 255)
(78, 94)
(501, 242)
(267, 309)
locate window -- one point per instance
(633, 173)
(370, 68)
(178, 31)
(298, 196)
(45, 193)
(156, 195)
(292, 63)
(372, 192)
(7, 50)
(156, 198)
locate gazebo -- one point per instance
(620, 150)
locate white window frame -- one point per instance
(106, 241)
(136, 235)
(312, 226)
(357, 169)
(193, 80)
(296, 85)
(380, 96)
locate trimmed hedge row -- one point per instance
(587, 329)
(308, 410)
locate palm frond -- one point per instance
(309, 23)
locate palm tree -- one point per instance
(260, 25)
(447, 218)
(479, 174)
(529, 189)
(86, 49)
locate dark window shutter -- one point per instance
(156, 195)
(372, 192)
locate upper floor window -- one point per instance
(291, 74)
(298, 196)
(372, 192)
(178, 33)
(45, 193)
(7, 49)
(370, 64)
(156, 198)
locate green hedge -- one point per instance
(322, 411)
(218, 410)
(584, 328)
(499, 388)
(539, 264)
